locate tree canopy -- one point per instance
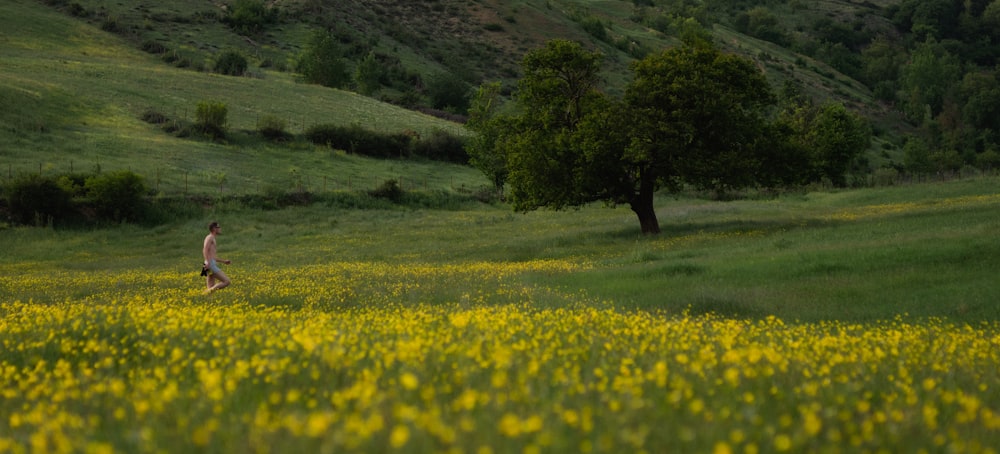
(692, 116)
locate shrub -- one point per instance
(322, 62)
(153, 116)
(38, 200)
(594, 27)
(251, 17)
(389, 190)
(358, 140)
(231, 63)
(273, 128)
(449, 92)
(210, 118)
(442, 146)
(117, 196)
(886, 176)
(154, 47)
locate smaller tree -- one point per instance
(272, 127)
(369, 74)
(448, 91)
(210, 118)
(117, 196)
(837, 138)
(322, 62)
(917, 156)
(35, 199)
(484, 149)
(231, 63)
(250, 17)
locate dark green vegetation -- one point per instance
(692, 117)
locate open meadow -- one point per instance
(847, 321)
(854, 321)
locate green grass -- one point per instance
(73, 97)
(923, 250)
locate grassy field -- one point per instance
(848, 321)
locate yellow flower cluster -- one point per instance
(360, 357)
(855, 213)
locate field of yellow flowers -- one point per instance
(409, 357)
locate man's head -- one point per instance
(213, 226)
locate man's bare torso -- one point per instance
(208, 250)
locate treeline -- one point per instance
(933, 61)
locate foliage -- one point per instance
(38, 200)
(595, 27)
(485, 149)
(369, 74)
(760, 23)
(357, 139)
(917, 156)
(692, 115)
(211, 118)
(322, 62)
(251, 17)
(927, 79)
(449, 92)
(558, 90)
(117, 196)
(441, 145)
(231, 63)
(830, 137)
(389, 190)
(273, 128)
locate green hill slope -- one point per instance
(73, 97)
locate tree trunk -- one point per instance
(647, 218)
(642, 205)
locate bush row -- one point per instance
(439, 145)
(211, 121)
(50, 200)
(117, 197)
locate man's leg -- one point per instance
(223, 281)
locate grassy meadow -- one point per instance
(860, 321)
(846, 321)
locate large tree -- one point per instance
(697, 118)
(692, 115)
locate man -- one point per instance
(215, 278)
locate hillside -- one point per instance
(482, 40)
(73, 97)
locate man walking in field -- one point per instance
(215, 278)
